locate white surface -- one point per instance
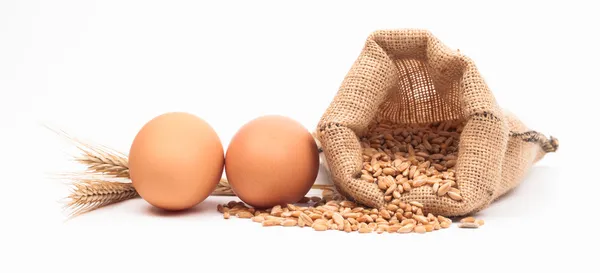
(100, 69)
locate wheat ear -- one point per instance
(97, 158)
(223, 189)
(88, 195)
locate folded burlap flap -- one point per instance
(409, 76)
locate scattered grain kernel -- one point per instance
(319, 227)
(420, 229)
(365, 230)
(469, 219)
(468, 225)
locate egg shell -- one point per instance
(272, 160)
(176, 160)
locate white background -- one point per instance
(101, 69)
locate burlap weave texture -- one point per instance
(409, 76)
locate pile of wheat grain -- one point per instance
(341, 215)
(333, 212)
(399, 157)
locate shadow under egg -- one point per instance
(202, 208)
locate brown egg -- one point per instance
(272, 160)
(176, 161)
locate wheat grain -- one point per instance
(365, 230)
(468, 225)
(272, 222)
(244, 214)
(469, 219)
(428, 228)
(319, 227)
(289, 223)
(420, 229)
(444, 189)
(415, 203)
(454, 196)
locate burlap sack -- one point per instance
(409, 76)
